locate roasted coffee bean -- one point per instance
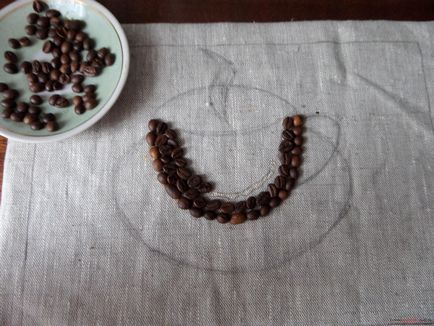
(227, 208)
(280, 182)
(48, 117)
(210, 215)
(55, 74)
(77, 79)
(204, 187)
(289, 184)
(161, 127)
(284, 170)
(288, 135)
(64, 79)
(37, 87)
(169, 169)
(157, 165)
(172, 143)
(65, 69)
(284, 158)
(56, 22)
(36, 67)
(263, 198)
(14, 43)
(34, 109)
(240, 207)
(76, 100)
(80, 37)
(10, 94)
(288, 123)
(183, 173)
(78, 46)
(295, 161)
(89, 89)
(77, 88)
(38, 6)
(64, 59)
(182, 185)
(171, 190)
(283, 194)
(74, 25)
(90, 104)
(152, 124)
(274, 202)
(30, 118)
(10, 68)
(22, 107)
(273, 190)
(238, 218)
(6, 113)
(74, 56)
(298, 141)
(52, 32)
(17, 116)
(30, 30)
(32, 18)
(3, 87)
(165, 150)
(70, 35)
(165, 159)
(10, 56)
(293, 173)
(46, 67)
(196, 212)
(43, 78)
(150, 137)
(171, 134)
(162, 178)
(88, 97)
(264, 210)
(194, 181)
(109, 59)
(297, 151)
(91, 55)
(49, 86)
(298, 120)
(62, 102)
(25, 41)
(52, 13)
(66, 47)
(97, 63)
(191, 194)
(43, 22)
(154, 152)
(32, 78)
(56, 85)
(41, 33)
(52, 126)
(286, 146)
(213, 205)
(55, 63)
(184, 203)
(253, 215)
(223, 218)
(161, 140)
(199, 202)
(90, 71)
(180, 162)
(177, 153)
(251, 202)
(88, 44)
(297, 131)
(79, 109)
(36, 125)
(102, 53)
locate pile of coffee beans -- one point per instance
(189, 189)
(74, 58)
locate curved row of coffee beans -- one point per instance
(188, 189)
(65, 41)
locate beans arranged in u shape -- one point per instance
(189, 189)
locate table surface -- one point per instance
(195, 11)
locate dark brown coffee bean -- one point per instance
(3, 87)
(66, 47)
(180, 162)
(184, 203)
(287, 123)
(264, 210)
(88, 89)
(89, 96)
(157, 165)
(297, 151)
(17, 116)
(280, 182)
(36, 125)
(48, 117)
(55, 74)
(162, 178)
(52, 13)
(88, 44)
(150, 137)
(65, 69)
(210, 215)
(25, 41)
(298, 120)
(52, 32)
(10, 94)
(64, 59)
(194, 181)
(199, 202)
(36, 67)
(10, 56)
(76, 100)
(30, 30)
(57, 86)
(91, 55)
(227, 208)
(165, 150)
(253, 215)
(22, 107)
(10, 68)
(298, 141)
(284, 158)
(283, 194)
(171, 134)
(109, 59)
(77, 88)
(38, 6)
(52, 126)
(297, 131)
(183, 173)
(89, 70)
(161, 140)
(273, 190)
(37, 87)
(70, 35)
(90, 104)
(274, 202)
(32, 78)
(49, 86)
(41, 33)
(30, 118)
(288, 135)
(152, 124)
(196, 212)
(238, 218)
(251, 202)
(6, 113)
(97, 63)
(171, 190)
(43, 22)
(32, 18)
(64, 79)
(43, 78)
(34, 109)
(74, 56)
(56, 22)
(102, 53)
(293, 173)
(55, 63)
(154, 152)
(204, 187)
(46, 67)
(165, 159)
(295, 161)
(284, 170)
(172, 143)
(263, 198)
(177, 153)
(223, 218)
(286, 146)
(79, 109)
(240, 207)
(74, 24)
(213, 205)
(53, 99)
(77, 79)
(191, 194)
(182, 185)
(14, 43)
(289, 184)
(62, 102)
(78, 46)
(161, 127)
(80, 37)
